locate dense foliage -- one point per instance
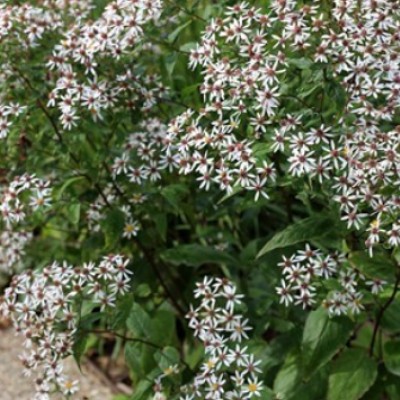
(212, 185)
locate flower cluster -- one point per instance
(25, 190)
(143, 157)
(97, 212)
(93, 46)
(24, 195)
(303, 271)
(76, 9)
(230, 370)
(7, 114)
(366, 187)
(12, 249)
(26, 23)
(216, 155)
(45, 309)
(299, 94)
(251, 61)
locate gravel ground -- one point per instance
(13, 386)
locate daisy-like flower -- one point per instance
(131, 229)
(376, 285)
(253, 388)
(285, 293)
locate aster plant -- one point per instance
(208, 188)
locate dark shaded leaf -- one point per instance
(379, 266)
(391, 356)
(301, 231)
(113, 226)
(139, 322)
(173, 36)
(353, 374)
(195, 255)
(289, 384)
(323, 337)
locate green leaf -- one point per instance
(113, 226)
(68, 183)
(144, 388)
(133, 357)
(288, 377)
(260, 150)
(143, 290)
(353, 374)
(139, 322)
(160, 220)
(379, 266)
(266, 394)
(188, 90)
(307, 229)
(310, 89)
(289, 385)
(167, 357)
(170, 62)
(194, 356)
(140, 359)
(279, 347)
(392, 387)
(163, 328)
(79, 347)
(173, 36)
(187, 47)
(235, 191)
(195, 255)
(159, 330)
(323, 337)
(73, 213)
(175, 194)
(391, 317)
(337, 94)
(391, 356)
(122, 312)
(301, 63)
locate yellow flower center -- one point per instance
(252, 387)
(69, 385)
(375, 223)
(210, 364)
(129, 228)
(168, 371)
